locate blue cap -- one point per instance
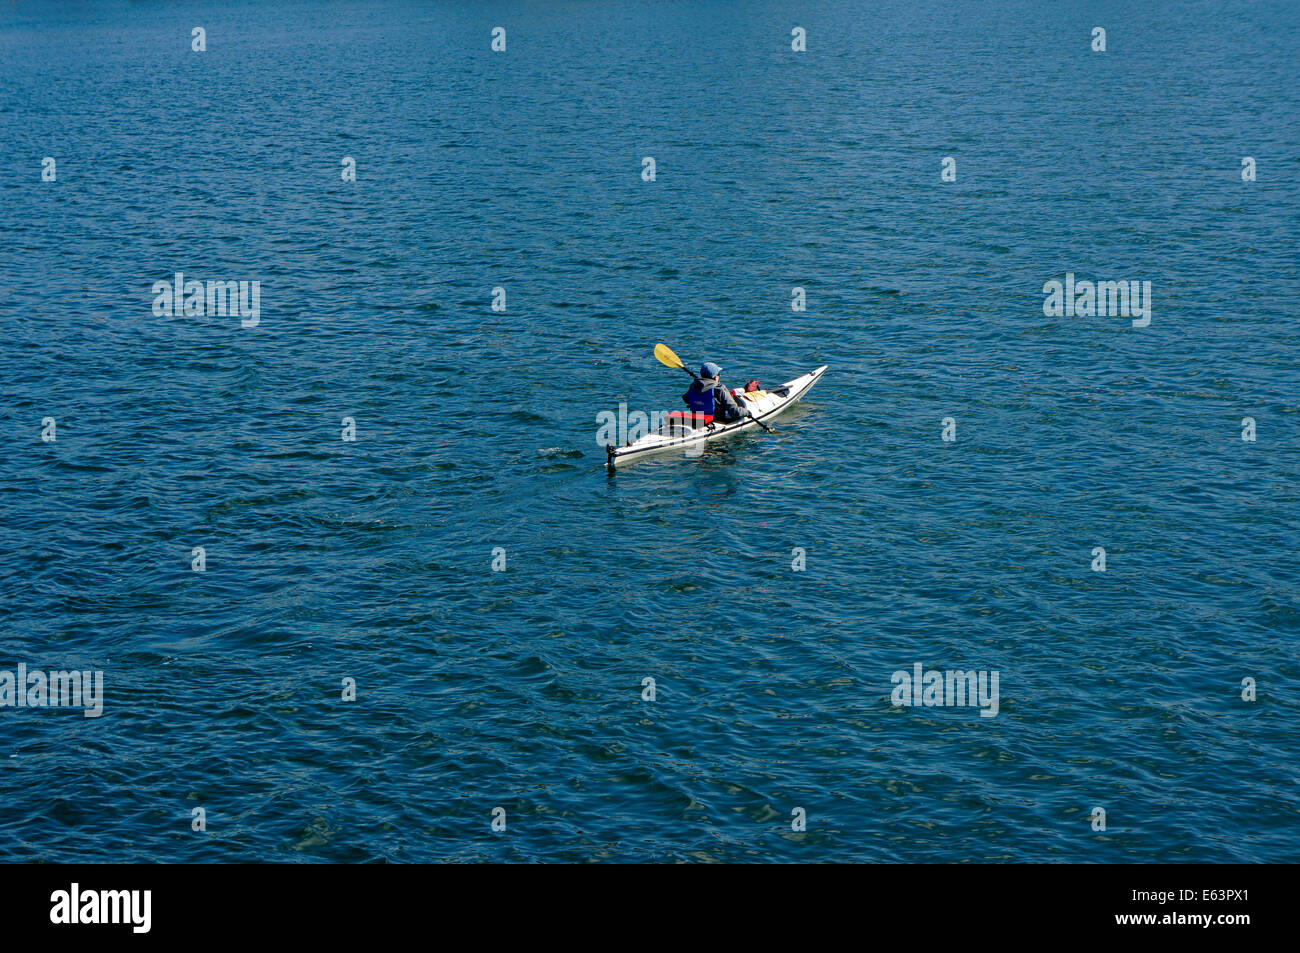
(709, 369)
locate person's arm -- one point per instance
(736, 410)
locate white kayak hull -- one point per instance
(768, 408)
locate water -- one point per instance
(521, 689)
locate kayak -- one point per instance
(682, 431)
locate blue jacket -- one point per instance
(715, 401)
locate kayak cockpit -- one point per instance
(685, 423)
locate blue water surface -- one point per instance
(476, 429)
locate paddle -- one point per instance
(665, 356)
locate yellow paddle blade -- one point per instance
(666, 356)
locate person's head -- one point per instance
(710, 370)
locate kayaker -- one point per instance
(707, 396)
